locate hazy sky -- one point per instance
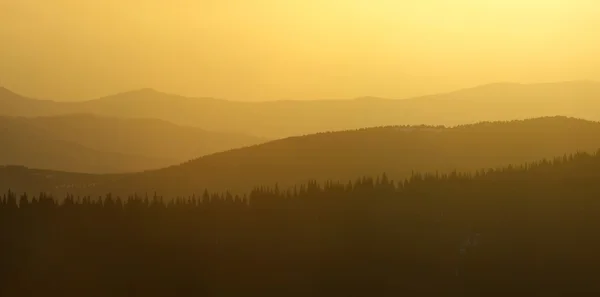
(292, 49)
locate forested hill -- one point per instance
(505, 232)
(398, 151)
(279, 119)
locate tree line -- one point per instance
(520, 230)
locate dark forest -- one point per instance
(527, 230)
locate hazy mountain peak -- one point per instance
(6, 93)
(149, 94)
(145, 92)
(139, 94)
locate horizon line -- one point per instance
(155, 91)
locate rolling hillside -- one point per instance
(93, 144)
(276, 119)
(28, 145)
(141, 136)
(397, 150)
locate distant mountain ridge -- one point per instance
(96, 144)
(278, 119)
(26, 144)
(6, 93)
(396, 150)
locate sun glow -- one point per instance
(293, 49)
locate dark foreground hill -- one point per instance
(524, 230)
(93, 144)
(495, 102)
(398, 151)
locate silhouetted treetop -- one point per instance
(518, 230)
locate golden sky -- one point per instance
(292, 49)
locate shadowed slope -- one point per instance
(398, 151)
(28, 145)
(87, 143)
(148, 137)
(395, 150)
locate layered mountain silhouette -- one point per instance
(398, 151)
(94, 144)
(276, 119)
(29, 145)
